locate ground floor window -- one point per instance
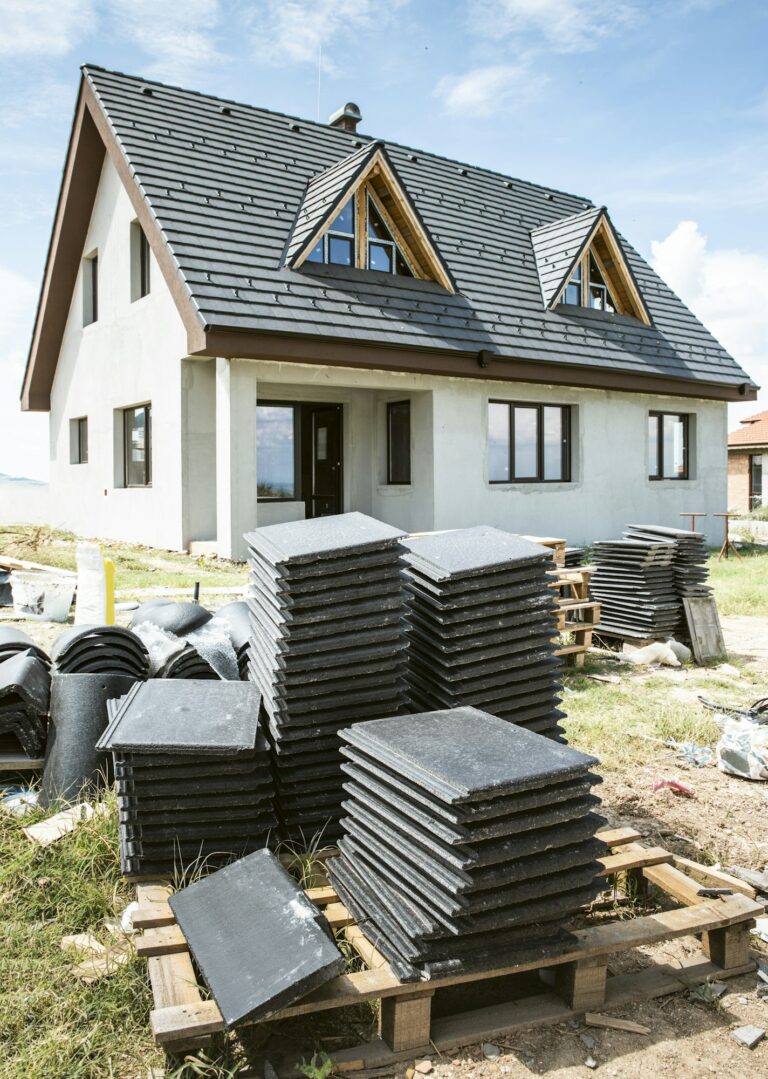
(78, 441)
(299, 455)
(755, 480)
(398, 442)
(528, 443)
(137, 445)
(668, 435)
(277, 442)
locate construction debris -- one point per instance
(192, 771)
(259, 942)
(60, 824)
(465, 834)
(593, 1019)
(481, 625)
(749, 1035)
(327, 650)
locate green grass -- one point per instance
(741, 585)
(135, 567)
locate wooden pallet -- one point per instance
(574, 978)
(577, 614)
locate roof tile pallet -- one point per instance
(194, 784)
(327, 649)
(465, 836)
(481, 626)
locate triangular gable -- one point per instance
(561, 245)
(368, 168)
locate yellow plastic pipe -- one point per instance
(109, 585)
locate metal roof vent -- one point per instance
(346, 118)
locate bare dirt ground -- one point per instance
(726, 821)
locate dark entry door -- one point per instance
(321, 459)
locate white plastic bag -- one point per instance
(743, 747)
(658, 652)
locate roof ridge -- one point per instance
(359, 135)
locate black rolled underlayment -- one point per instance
(176, 618)
(24, 699)
(192, 771)
(74, 767)
(258, 942)
(327, 649)
(465, 836)
(481, 622)
(100, 650)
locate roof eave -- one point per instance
(230, 343)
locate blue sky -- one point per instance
(657, 108)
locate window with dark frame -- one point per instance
(668, 445)
(278, 447)
(78, 441)
(139, 262)
(398, 442)
(137, 446)
(528, 443)
(90, 289)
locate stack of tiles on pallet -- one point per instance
(689, 563)
(465, 837)
(634, 580)
(25, 686)
(327, 649)
(193, 778)
(481, 624)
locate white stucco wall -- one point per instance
(24, 503)
(609, 489)
(131, 355)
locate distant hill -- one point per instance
(21, 480)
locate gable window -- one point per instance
(398, 442)
(668, 446)
(137, 446)
(367, 244)
(90, 289)
(139, 262)
(587, 287)
(528, 443)
(78, 441)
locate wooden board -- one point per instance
(17, 762)
(704, 628)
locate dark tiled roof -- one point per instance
(225, 188)
(556, 246)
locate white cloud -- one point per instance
(292, 31)
(23, 436)
(179, 38)
(43, 27)
(727, 289)
(564, 25)
(486, 90)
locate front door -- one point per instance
(321, 459)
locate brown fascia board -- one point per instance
(235, 344)
(91, 137)
(79, 181)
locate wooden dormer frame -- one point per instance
(378, 181)
(603, 244)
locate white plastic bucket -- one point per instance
(42, 597)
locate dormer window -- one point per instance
(587, 288)
(337, 247)
(383, 253)
(376, 249)
(357, 213)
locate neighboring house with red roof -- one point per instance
(748, 462)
